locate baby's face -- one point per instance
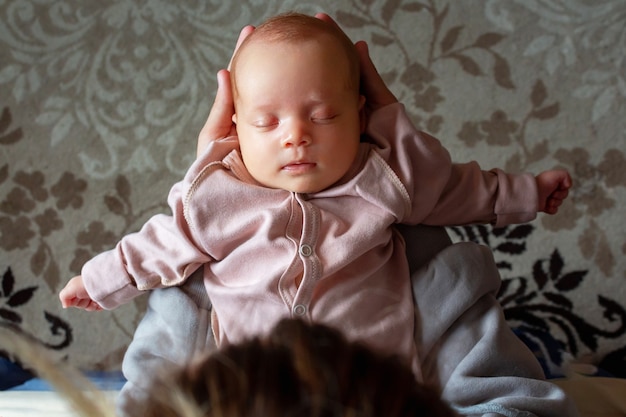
(297, 119)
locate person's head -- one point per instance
(298, 370)
(295, 83)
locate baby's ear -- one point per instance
(362, 115)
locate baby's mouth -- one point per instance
(299, 167)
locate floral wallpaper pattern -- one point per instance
(101, 103)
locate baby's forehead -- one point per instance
(330, 53)
(266, 43)
(266, 47)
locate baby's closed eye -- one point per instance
(265, 122)
(323, 117)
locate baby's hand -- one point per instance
(75, 295)
(553, 187)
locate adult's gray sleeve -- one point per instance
(466, 347)
(175, 328)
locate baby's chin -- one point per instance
(306, 181)
(300, 188)
(305, 189)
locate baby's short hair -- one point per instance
(295, 27)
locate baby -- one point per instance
(294, 216)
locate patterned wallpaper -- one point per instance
(101, 103)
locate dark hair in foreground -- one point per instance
(298, 370)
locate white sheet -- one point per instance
(37, 404)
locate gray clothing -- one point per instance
(464, 344)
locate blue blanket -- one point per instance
(14, 377)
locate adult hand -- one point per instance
(220, 124)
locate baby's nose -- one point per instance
(297, 134)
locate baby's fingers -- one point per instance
(552, 205)
(83, 304)
(560, 194)
(89, 305)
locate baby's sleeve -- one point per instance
(163, 253)
(444, 193)
(473, 195)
